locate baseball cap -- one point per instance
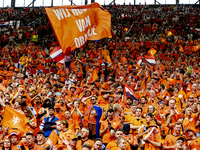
(181, 138)
(57, 106)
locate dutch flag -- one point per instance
(4, 23)
(150, 60)
(139, 60)
(58, 56)
(129, 92)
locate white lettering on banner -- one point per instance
(67, 12)
(77, 12)
(83, 24)
(59, 14)
(80, 41)
(77, 43)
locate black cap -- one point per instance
(181, 138)
(126, 127)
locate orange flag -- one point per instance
(181, 49)
(94, 76)
(169, 33)
(152, 52)
(77, 24)
(196, 48)
(164, 41)
(14, 119)
(52, 139)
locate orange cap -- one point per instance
(73, 86)
(16, 69)
(179, 116)
(85, 85)
(111, 95)
(57, 106)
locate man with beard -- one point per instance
(131, 115)
(97, 144)
(49, 123)
(92, 117)
(72, 125)
(127, 108)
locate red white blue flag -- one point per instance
(139, 60)
(129, 92)
(150, 60)
(58, 56)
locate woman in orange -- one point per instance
(76, 113)
(32, 124)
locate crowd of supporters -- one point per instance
(87, 104)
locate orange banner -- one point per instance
(196, 48)
(52, 139)
(94, 76)
(74, 25)
(14, 119)
(152, 52)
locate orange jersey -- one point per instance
(65, 135)
(60, 115)
(73, 125)
(155, 137)
(131, 139)
(170, 140)
(195, 144)
(88, 141)
(17, 146)
(113, 146)
(106, 138)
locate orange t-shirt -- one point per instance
(195, 143)
(65, 135)
(72, 125)
(88, 141)
(170, 140)
(17, 146)
(131, 139)
(60, 115)
(113, 146)
(106, 138)
(155, 137)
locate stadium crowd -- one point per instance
(111, 97)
